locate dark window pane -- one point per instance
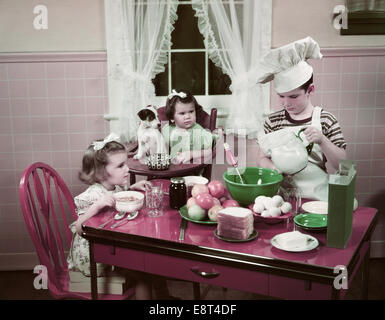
(218, 81)
(161, 83)
(188, 72)
(186, 34)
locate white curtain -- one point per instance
(138, 33)
(237, 35)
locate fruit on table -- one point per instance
(213, 212)
(216, 188)
(199, 188)
(190, 202)
(195, 212)
(230, 203)
(204, 200)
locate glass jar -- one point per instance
(178, 193)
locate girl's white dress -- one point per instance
(78, 258)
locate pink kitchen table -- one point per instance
(152, 245)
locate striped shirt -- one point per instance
(330, 126)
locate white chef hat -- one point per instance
(287, 65)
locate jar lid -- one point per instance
(177, 180)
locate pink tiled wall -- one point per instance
(49, 111)
(51, 108)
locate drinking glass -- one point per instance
(154, 201)
(293, 196)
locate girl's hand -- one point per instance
(314, 135)
(141, 185)
(183, 157)
(105, 201)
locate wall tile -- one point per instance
(75, 88)
(378, 168)
(21, 125)
(3, 71)
(350, 65)
(23, 142)
(380, 99)
(37, 88)
(23, 160)
(55, 70)
(380, 81)
(363, 151)
(59, 124)
(94, 105)
(365, 117)
(379, 135)
(367, 81)
(330, 82)
(94, 69)
(4, 92)
(366, 99)
(57, 106)
(74, 70)
(40, 125)
(18, 89)
(379, 117)
(20, 106)
(56, 88)
(4, 107)
(36, 70)
(39, 107)
(368, 64)
(60, 142)
(364, 135)
(349, 82)
(94, 87)
(17, 71)
(333, 65)
(76, 105)
(41, 142)
(7, 161)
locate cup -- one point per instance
(154, 201)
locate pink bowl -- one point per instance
(270, 220)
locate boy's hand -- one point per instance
(141, 185)
(313, 135)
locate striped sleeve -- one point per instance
(332, 130)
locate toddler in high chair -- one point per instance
(186, 139)
(105, 169)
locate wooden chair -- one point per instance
(207, 121)
(48, 208)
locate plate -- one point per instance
(317, 207)
(311, 244)
(252, 237)
(184, 215)
(269, 220)
(311, 220)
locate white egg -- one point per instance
(274, 212)
(286, 207)
(258, 207)
(265, 214)
(277, 200)
(259, 199)
(267, 202)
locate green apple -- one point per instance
(195, 212)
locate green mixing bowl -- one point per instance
(258, 182)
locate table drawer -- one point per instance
(294, 289)
(122, 257)
(208, 273)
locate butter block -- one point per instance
(292, 239)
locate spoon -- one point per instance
(118, 216)
(131, 216)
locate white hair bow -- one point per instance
(174, 93)
(100, 144)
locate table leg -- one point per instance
(365, 275)
(94, 283)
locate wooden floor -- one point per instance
(18, 285)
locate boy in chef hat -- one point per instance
(293, 82)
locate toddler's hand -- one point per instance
(314, 135)
(183, 157)
(141, 185)
(106, 201)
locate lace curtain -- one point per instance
(138, 33)
(237, 36)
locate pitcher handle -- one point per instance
(309, 147)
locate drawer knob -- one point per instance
(204, 274)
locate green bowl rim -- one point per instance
(254, 184)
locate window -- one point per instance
(189, 66)
(365, 17)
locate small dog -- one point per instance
(150, 139)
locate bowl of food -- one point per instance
(257, 182)
(128, 201)
(158, 161)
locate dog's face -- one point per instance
(149, 118)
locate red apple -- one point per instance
(216, 188)
(230, 203)
(216, 202)
(204, 200)
(198, 189)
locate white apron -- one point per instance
(312, 182)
